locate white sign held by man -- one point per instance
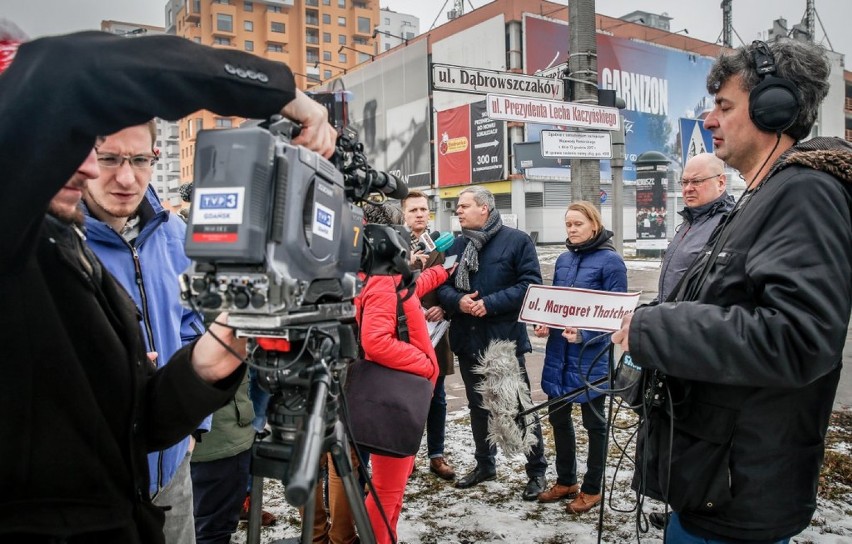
(578, 308)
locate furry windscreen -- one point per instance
(505, 394)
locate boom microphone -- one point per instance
(389, 184)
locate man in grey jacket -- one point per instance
(707, 203)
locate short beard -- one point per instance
(72, 218)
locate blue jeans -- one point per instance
(259, 400)
(436, 421)
(676, 534)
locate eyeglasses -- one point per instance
(695, 182)
(137, 162)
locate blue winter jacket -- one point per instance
(148, 270)
(508, 264)
(596, 266)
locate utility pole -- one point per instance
(583, 83)
(727, 23)
(617, 165)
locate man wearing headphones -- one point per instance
(748, 355)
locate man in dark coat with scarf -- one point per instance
(750, 346)
(483, 299)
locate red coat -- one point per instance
(378, 324)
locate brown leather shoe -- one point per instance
(440, 467)
(583, 503)
(559, 492)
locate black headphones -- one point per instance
(773, 104)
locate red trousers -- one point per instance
(390, 474)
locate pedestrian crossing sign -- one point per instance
(694, 139)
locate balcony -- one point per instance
(848, 106)
(193, 11)
(848, 135)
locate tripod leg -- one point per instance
(255, 510)
(339, 451)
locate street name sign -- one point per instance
(446, 77)
(552, 112)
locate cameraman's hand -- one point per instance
(210, 360)
(317, 134)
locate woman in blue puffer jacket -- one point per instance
(591, 262)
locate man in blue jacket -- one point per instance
(141, 244)
(483, 298)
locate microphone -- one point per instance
(389, 184)
(435, 241)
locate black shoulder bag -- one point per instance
(387, 407)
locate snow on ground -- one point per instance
(435, 512)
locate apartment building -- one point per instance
(318, 39)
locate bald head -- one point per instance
(703, 179)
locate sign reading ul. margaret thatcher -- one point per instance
(579, 308)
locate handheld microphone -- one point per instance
(435, 241)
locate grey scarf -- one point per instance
(469, 261)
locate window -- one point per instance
(341, 3)
(249, 45)
(326, 37)
(196, 39)
(341, 39)
(387, 21)
(358, 40)
(248, 6)
(273, 9)
(312, 3)
(326, 2)
(326, 74)
(199, 124)
(224, 2)
(248, 26)
(222, 122)
(363, 57)
(224, 22)
(341, 21)
(387, 46)
(326, 19)
(312, 36)
(409, 35)
(275, 48)
(364, 25)
(341, 57)
(276, 27)
(221, 41)
(326, 56)
(311, 17)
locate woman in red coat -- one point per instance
(376, 310)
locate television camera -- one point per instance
(277, 241)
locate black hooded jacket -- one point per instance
(753, 355)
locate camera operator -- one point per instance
(83, 404)
(751, 348)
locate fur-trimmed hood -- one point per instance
(830, 155)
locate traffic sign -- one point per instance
(576, 145)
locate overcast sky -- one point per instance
(702, 18)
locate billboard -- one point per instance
(471, 146)
(659, 85)
(389, 110)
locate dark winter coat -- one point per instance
(597, 266)
(689, 239)
(508, 264)
(81, 403)
(753, 363)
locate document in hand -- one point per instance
(437, 329)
